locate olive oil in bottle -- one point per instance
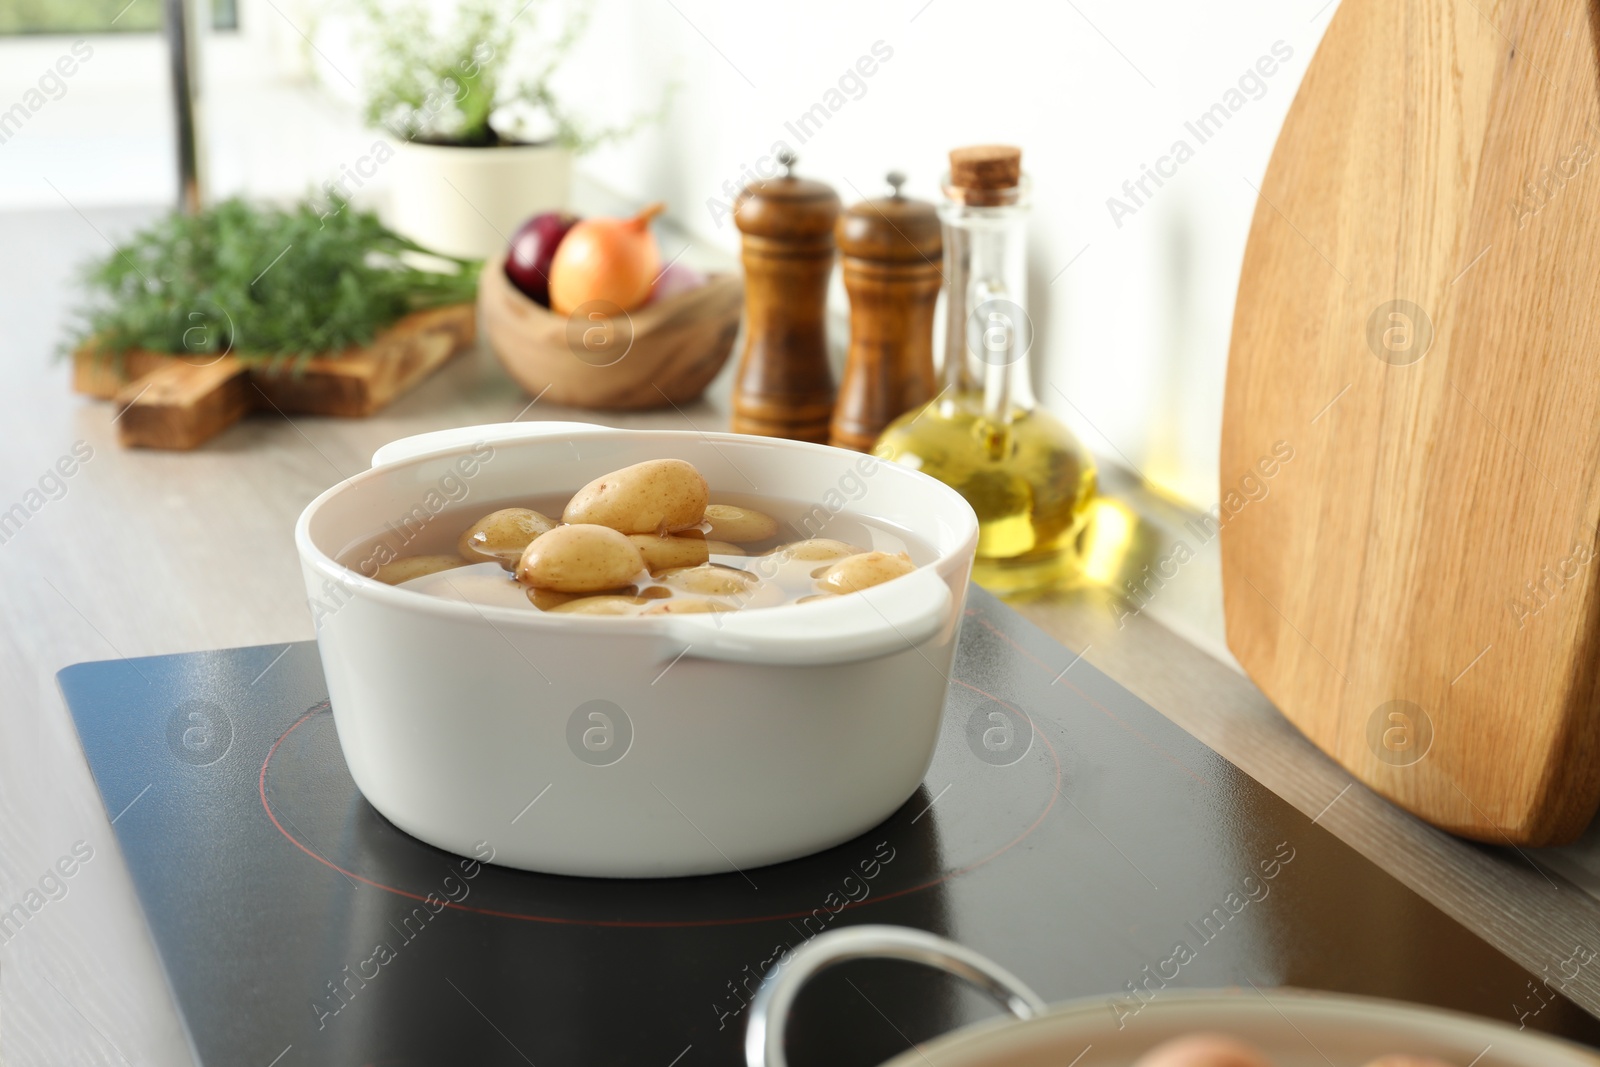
(1026, 475)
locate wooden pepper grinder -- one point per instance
(784, 387)
(891, 252)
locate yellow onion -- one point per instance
(604, 259)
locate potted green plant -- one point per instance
(480, 140)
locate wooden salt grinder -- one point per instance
(784, 387)
(891, 253)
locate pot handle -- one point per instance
(763, 1038)
(868, 623)
(460, 437)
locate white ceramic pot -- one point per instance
(469, 201)
(641, 746)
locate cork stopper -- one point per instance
(985, 173)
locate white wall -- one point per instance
(1131, 338)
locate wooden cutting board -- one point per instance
(180, 402)
(1418, 327)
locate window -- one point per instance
(99, 16)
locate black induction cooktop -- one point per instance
(1065, 829)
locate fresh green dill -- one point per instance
(261, 283)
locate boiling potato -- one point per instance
(658, 496)
(724, 548)
(739, 525)
(816, 596)
(1203, 1050)
(819, 548)
(581, 558)
(403, 570)
(862, 571)
(688, 605)
(675, 550)
(709, 579)
(601, 605)
(549, 599)
(500, 536)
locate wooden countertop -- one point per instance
(146, 553)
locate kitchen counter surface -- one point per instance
(144, 553)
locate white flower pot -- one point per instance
(468, 201)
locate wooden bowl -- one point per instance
(663, 353)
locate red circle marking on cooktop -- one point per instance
(659, 923)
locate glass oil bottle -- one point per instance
(1026, 475)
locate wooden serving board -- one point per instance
(179, 402)
(1419, 322)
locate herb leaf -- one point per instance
(261, 282)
